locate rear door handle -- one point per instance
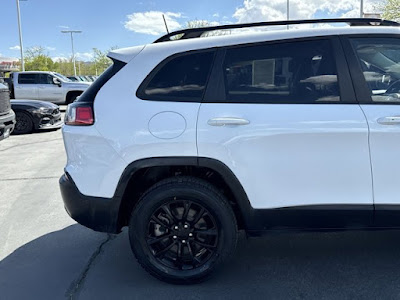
(227, 121)
(395, 120)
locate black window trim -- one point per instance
(140, 93)
(216, 93)
(362, 90)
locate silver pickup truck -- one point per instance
(46, 86)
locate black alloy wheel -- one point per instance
(23, 124)
(182, 234)
(182, 229)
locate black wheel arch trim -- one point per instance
(213, 164)
(84, 208)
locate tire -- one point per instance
(23, 124)
(157, 230)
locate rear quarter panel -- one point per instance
(122, 120)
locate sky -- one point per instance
(125, 23)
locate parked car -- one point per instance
(88, 78)
(33, 115)
(92, 78)
(74, 78)
(46, 86)
(190, 140)
(7, 115)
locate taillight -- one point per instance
(79, 114)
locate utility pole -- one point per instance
(287, 11)
(21, 46)
(71, 32)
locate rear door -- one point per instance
(27, 87)
(375, 66)
(283, 117)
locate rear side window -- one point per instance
(292, 72)
(27, 78)
(182, 78)
(379, 59)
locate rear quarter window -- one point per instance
(182, 77)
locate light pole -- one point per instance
(21, 46)
(72, 45)
(362, 9)
(287, 11)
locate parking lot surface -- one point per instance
(45, 255)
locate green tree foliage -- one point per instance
(37, 60)
(100, 60)
(64, 66)
(391, 10)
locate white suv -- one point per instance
(188, 141)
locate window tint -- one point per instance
(380, 63)
(45, 79)
(27, 78)
(182, 78)
(295, 72)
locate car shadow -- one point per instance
(35, 132)
(46, 267)
(344, 265)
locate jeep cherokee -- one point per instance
(186, 141)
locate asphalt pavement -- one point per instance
(45, 255)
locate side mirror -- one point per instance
(56, 81)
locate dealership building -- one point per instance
(8, 64)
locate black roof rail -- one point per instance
(197, 32)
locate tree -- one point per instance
(391, 10)
(38, 60)
(63, 66)
(100, 60)
(200, 24)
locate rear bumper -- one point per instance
(99, 214)
(7, 123)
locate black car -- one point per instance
(32, 115)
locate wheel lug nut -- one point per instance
(176, 227)
(186, 226)
(183, 241)
(174, 237)
(190, 234)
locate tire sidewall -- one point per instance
(141, 215)
(28, 128)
